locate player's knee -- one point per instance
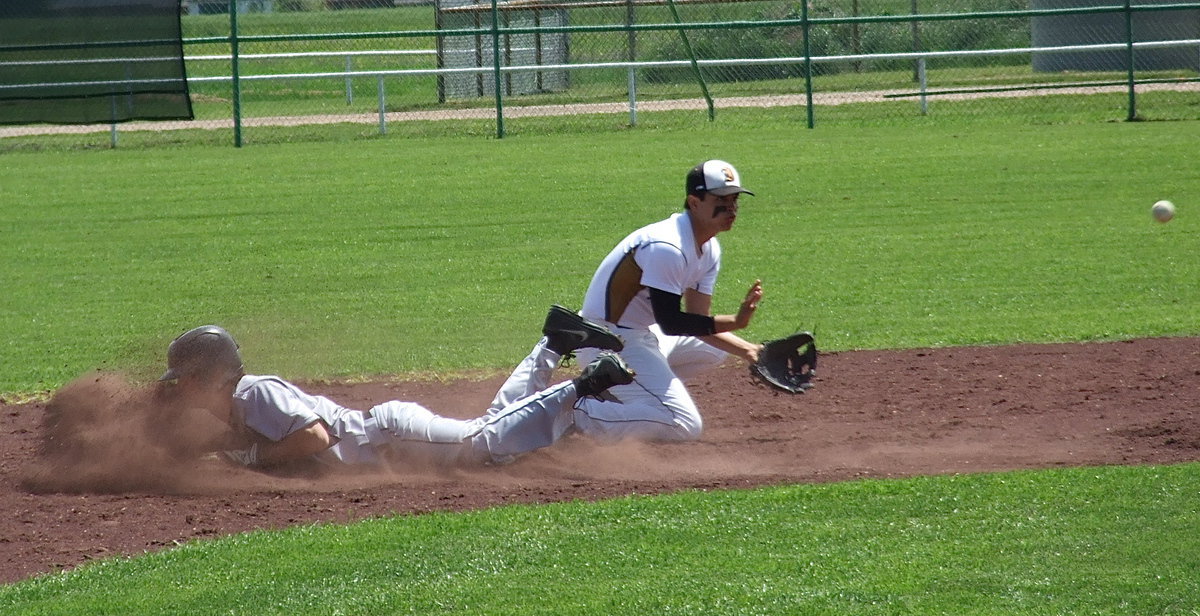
(401, 418)
(689, 426)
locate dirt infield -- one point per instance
(874, 414)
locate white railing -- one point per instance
(348, 57)
(631, 67)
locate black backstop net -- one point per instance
(91, 61)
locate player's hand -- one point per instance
(749, 305)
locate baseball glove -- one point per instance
(787, 364)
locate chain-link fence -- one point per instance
(292, 69)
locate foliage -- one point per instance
(839, 38)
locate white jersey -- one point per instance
(662, 255)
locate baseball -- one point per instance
(1163, 211)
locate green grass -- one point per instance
(1080, 541)
(404, 256)
(383, 257)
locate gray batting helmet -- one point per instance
(202, 350)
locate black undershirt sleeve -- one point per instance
(676, 322)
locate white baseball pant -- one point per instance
(656, 405)
(526, 414)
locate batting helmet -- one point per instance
(203, 350)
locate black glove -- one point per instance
(787, 364)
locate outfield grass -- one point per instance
(388, 257)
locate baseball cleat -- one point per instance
(608, 370)
(566, 331)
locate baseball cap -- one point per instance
(715, 176)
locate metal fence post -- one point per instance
(496, 70)
(915, 27)
(112, 131)
(632, 96)
(687, 46)
(237, 83)
(924, 85)
(631, 49)
(1129, 57)
(382, 107)
(806, 28)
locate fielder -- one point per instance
(655, 290)
(284, 424)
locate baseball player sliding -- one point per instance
(646, 324)
(655, 290)
(280, 423)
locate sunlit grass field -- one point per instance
(402, 258)
(387, 257)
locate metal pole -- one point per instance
(129, 97)
(537, 49)
(237, 83)
(921, 74)
(687, 46)
(349, 87)
(441, 54)
(382, 108)
(112, 135)
(632, 97)
(1129, 56)
(631, 47)
(496, 70)
(855, 38)
(916, 40)
(808, 89)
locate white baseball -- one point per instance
(1163, 211)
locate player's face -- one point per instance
(213, 393)
(718, 211)
(208, 394)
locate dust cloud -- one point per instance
(103, 434)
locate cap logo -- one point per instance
(728, 174)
